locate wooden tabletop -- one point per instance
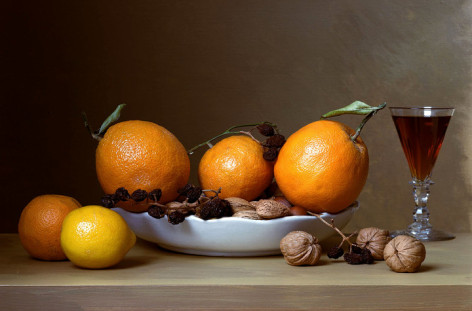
(150, 278)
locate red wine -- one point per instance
(421, 139)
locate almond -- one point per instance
(239, 204)
(271, 209)
(248, 214)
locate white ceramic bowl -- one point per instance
(230, 236)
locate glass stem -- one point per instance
(421, 192)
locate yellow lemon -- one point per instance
(95, 237)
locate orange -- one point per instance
(236, 164)
(141, 155)
(40, 225)
(320, 168)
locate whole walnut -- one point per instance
(374, 239)
(300, 248)
(404, 254)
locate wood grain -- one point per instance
(237, 298)
(151, 278)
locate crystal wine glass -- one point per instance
(421, 131)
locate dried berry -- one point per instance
(108, 201)
(122, 194)
(193, 194)
(265, 129)
(367, 257)
(175, 217)
(156, 211)
(356, 249)
(353, 258)
(183, 191)
(335, 252)
(155, 195)
(270, 154)
(358, 256)
(276, 141)
(214, 208)
(139, 195)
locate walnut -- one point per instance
(248, 214)
(300, 248)
(239, 204)
(404, 254)
(270, 209)
(374, 239)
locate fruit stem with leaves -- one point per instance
(113, 117)
(231, 130)
(359, 108)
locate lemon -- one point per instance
(95, 237)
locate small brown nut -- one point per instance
(300, 248)
(283, 200)
(298, 211)
(239, 204)
(374, 239)
(271, 209)
(253, 203)
(248, 214)
(404, 254)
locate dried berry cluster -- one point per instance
(214, 208)
(195, 203)
(121, 194)
(273, 143)
(191, 192)
(357, 255)
(175, 215)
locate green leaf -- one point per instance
(356, 107)
(111, 118)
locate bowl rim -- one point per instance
(350, 209)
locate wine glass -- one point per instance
(421, 131)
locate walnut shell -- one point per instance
(404, 254)
(300, 248)
(374, 239)
(248, 214)
(271, 209)
(239, 204)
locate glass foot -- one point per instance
(425, 236)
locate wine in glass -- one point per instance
(421, 131)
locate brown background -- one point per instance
(198, 67)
